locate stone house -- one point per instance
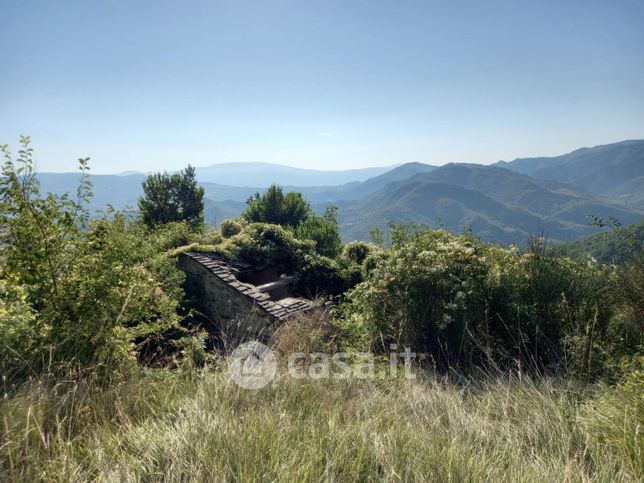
(238, 297)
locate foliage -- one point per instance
(291, 211)
(17, 325)
(172, 198)
(266, 244)
(273, 206)
(317, 276)
(323, 230)
(177, 234)
(231, 227)
(420, 294)
(74, 291)
(263, 244)
(615, 246)
(463, 302)
(357, 252)
(630, 290)
(377, 236)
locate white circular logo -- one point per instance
(252, 365)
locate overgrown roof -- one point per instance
(229, 273)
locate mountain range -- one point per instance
(612, 170)
(504, 202)
(261, 175)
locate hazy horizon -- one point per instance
(180, 166)
(150, 86)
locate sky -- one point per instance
(153, 85)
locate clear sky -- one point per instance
(146, 85)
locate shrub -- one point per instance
(421, 294)
(82, 293)
(273, 206)
(318, 276)
(463, 302)
(176, 234)
(231, 227)
(357, 252)
(265, 244)
(323, 230)
(18, 326)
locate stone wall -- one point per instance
(226, 294)
(232, 311)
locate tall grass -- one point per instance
(174, 427)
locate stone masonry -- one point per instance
(239, 297)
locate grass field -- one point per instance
(196, 427)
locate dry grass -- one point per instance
(172, 427)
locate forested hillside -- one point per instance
(610, 246)
(613, 170)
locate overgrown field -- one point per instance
(203, 427)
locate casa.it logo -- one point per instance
(252, 365)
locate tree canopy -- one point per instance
(273, 206)
(172, 197)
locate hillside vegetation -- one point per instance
(504, 203)
(529, 363)
(612, 170)
(608, 246)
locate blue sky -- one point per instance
(147, 85)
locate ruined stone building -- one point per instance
(239, 297)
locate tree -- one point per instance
(323, 230)
(172, 197)
(273, 206)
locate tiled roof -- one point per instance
(227, 272)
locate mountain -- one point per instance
(548, 199)
(425, 200)
(402, 172)
(109, 189)
(123, 191)
(322, 194)
(217, 211)
(262, 175)
(608, 246)
(497, 204)
(500, 203)
(614, 171)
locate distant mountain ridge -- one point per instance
(503, 203)
(497, 204)
(611, 170)
(262, 175)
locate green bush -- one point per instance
(264, 244)
(76, 292)
(318, 276)
(421, 294)
(323, 230)
(231, 227)
(18, 330)
(273, 206)
(462, 302)
(177, 234)
(357, 252)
